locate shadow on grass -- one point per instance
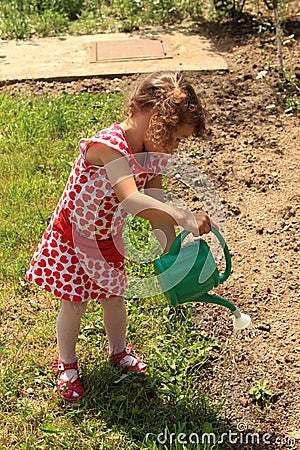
(148, 410)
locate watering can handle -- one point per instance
(227, 270)
(176, 246)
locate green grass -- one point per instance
(38, 143)
(20, 19)
(37, 148)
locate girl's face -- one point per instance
(181, 132)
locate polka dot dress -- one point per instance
(81, 254)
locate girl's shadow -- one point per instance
(150, 410)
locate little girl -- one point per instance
(119, 171)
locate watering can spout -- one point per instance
(240, 320)
(210, 298)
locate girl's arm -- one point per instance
(138, 204)
(165, 233)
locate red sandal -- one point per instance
(67, 388)
(137, 366)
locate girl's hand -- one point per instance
(203, 223)
(196, 223)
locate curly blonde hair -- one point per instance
(174, 103)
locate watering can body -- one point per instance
(188, 272)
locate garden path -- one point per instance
(73, 57)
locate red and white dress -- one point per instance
(81, 254)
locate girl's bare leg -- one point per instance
(67, 330)
(115, 317)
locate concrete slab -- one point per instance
(69, 56)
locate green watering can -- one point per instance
(188, 272)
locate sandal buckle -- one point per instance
(60, 366)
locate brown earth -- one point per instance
(252, 157)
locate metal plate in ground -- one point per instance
(128, 50)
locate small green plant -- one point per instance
(194, 153)
(291, 91)
(264, 27)
(255, 291)
(229, 8)
(261, 395)
(292, 105)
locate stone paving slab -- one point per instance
(69, 56)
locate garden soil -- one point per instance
(251, 156)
